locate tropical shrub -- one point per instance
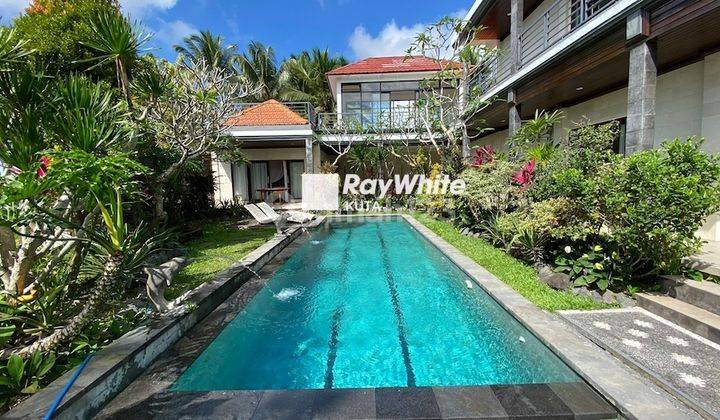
(653, 202)
(593, 267)
(490, 189)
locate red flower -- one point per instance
(44, 166)
(525, 175)
(483, 155)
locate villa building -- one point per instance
(652, 66)
(284, 140)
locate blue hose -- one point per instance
(66, 388)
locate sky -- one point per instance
(353, 28)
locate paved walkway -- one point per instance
(678, 360)
(708, 259)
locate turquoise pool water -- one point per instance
(371, 304)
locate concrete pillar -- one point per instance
(516, 20)
(514, 120)
(642, 86)
(309, 162)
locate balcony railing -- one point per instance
(304, 109)
(561, 19)
(368, 121)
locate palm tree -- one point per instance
(116, 40)
(259, 66)
(303, 78)
(209, 48)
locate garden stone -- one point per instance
(476, 235)
(625, 301)
(596, 296)
(609, 297)
(558, 281)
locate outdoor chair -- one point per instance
(292, 216)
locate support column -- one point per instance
(309, 164)
(516, 19)
(642, 84)
(514, 120)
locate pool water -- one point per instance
(371, 304)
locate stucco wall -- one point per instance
(495, 139)
(687, 104)
(294, 153)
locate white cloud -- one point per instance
(171, 33)
(141, 8)
(392, 40)
(11, 8)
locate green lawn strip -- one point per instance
(515, 273)
(221, 245)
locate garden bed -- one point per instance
(116, 365)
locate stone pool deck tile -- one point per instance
(633, 395)
(678, 360)
(469, 402)
(344, 404)
(409, 403)
(534, 400)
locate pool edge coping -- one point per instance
(631, 394)
(125, 359)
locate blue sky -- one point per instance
(353, 28)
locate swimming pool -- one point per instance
(369, 304)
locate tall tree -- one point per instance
(55, 30)
(115, 40)
(209, 48)
(302, 78)
(259, 68)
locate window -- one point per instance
(380, 102)
(584, 10)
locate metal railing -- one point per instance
(492, 71)
(562, 18)
(368, 121)
(304, 109)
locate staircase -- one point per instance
(690, 304)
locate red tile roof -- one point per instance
(269, 112)
(399, 64)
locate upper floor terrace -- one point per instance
(528, 34)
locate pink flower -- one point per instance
(483, 155)
(525, 175)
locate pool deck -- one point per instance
(634, 396)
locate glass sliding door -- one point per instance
(259, 178)
(240, 183)
(297, 168)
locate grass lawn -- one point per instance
(515, 273)
(221, 245)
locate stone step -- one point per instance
(703, 294)
(701, 322)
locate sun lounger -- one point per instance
(292, 216)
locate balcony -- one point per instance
(368, 121)
(539, 33)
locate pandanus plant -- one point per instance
(111, 244)
(117, 41)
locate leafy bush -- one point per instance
(490, 189)
(18, 376)
(653, 202)
(591, 268)
(56, 30)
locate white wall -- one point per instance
(496, 139)
(710, 124)
(679, 103)
(223, 180)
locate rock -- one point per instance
(476, 234)
(596, 296)
(558, 281)
(609, 297)
(625, 301)
(465, 231)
